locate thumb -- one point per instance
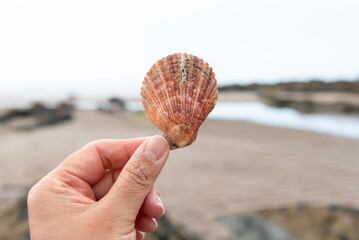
(138, 176)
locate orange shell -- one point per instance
(178, 93)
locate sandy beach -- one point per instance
(233, 167)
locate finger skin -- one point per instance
(90, 164)
(98, 156)
(145, 224)
(151, 206)
(104, 185)
(136, 179)
(140, 235)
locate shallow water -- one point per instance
(339, 125)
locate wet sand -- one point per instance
(232, 167)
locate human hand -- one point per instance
(103, 191)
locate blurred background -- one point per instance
(278, 157)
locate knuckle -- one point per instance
(38, 193)
(139, 174)
(32, 195)
(93, 143)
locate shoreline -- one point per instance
(26, 102)
(243, 106)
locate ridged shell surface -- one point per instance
(178, 93)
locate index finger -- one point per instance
(90, 162)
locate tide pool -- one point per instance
(345, 126)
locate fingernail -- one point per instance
(155, 222)
(160, 203)
(156, 148)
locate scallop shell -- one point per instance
(178, 93)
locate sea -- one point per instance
(339, 125)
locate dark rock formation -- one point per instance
(311, 86)
(113, 105)
(316, 223)
(166, 230)
(318, 86)
(15, 113)
(13, 213)
(307, 97)
(239, 87)
(253, 227)
(311, 103)
(299, 222)
(42, 114)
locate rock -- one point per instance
(120, 103)
(166, 230)
(253, 227)
(13, 213)
(310, 86)
(316, 223)
(307, 97)
(62, 112)
(312, 102)
(113, 105)
(14, 113)
(300, 222)
(42, 114)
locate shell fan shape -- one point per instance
(178, 93)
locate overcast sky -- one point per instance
(76, 44)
